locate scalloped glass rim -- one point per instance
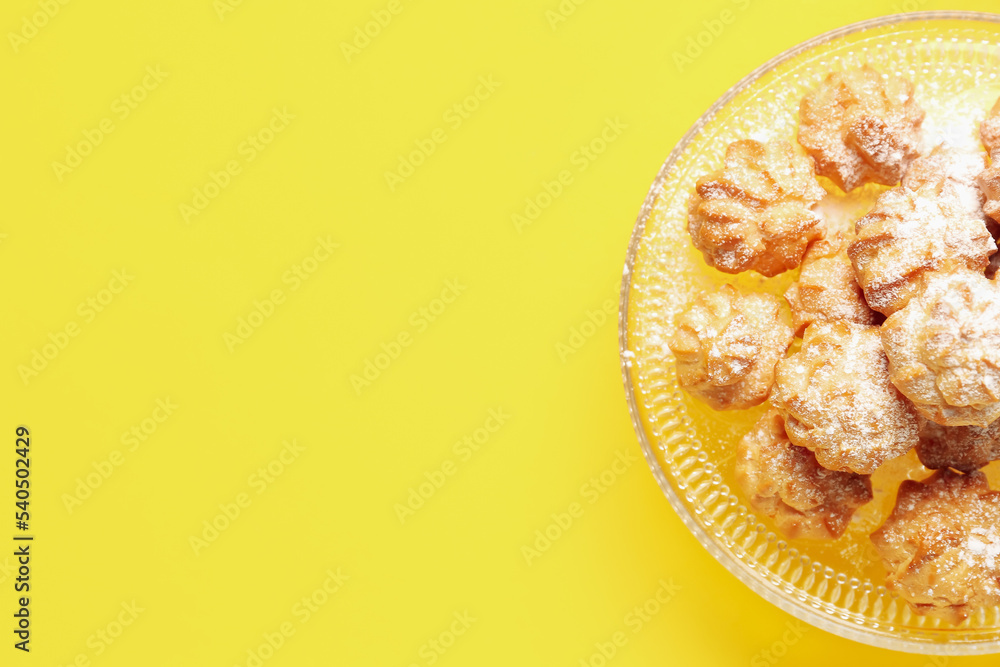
(755, 580)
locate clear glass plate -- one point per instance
(953, 58)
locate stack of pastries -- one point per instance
(899, 319)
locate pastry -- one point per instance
(940, 545)
(756, 212)
(727, 345)
(827, 290)
(838, 402)
(944, 350)
(861, 127)
(932, 224)
(786, 483)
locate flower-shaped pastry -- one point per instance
(861, 127)
(940, 545)
(838, 402)
(931, 225)
(944, 350)
(756, 213)
(727, 345)
(826, 290)
(787, 484)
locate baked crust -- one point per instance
(944, 350)
(827, 290)
(932, 224)
(727, 345)
(838, 402)
(786, 483)
(861, 127)
(964, 448)
(755, 213)
(940, 545)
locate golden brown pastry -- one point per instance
(727, 344)
(989, 179)
(826, 290)
(994, 265)
(755, 213)
(989, 130)
(944, 350)
(931, 225)
(861, 127)
(940, 545)
(949, 173)
(787, 484)
(964, 448)
(989, 185)
(838, 402)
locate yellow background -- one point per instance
(519, 292)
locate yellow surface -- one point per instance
(228, 281)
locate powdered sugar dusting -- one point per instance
(953, 117)
(838, 401)
(667, 273)
(933, 223)
(941, 545)
(944, 349)
(786, 482)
